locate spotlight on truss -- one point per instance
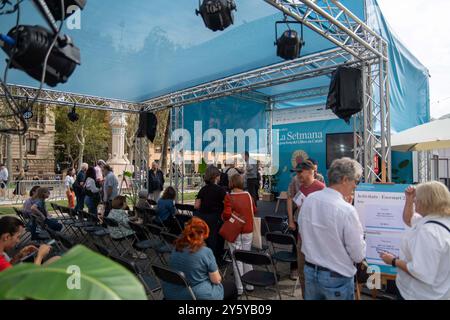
(217, 14)
(289, 45)
(31, 44)
(73, 115)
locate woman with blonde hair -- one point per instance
(424, 262)
(192, 257)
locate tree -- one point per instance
(86, 140)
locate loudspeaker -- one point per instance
(148, 124)
(346, 92)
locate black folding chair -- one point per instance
(257, 278)
(276, 224)
(163, 248)
(283, 255)
(174, 277)
(169, 239)
(119, 241)
(145, 241)
(185, 209)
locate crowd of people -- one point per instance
(321, 216)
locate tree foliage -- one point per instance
(86, 140)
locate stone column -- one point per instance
(118, 160)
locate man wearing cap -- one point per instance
(317, 175)
(302, 185)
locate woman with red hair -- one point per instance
(192, 257)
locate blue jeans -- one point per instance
(80, 202)
(92, 204)
(327, 285)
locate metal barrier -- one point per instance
(22, 190)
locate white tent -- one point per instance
(430, 136)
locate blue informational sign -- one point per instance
(303, 140)
(380, 208)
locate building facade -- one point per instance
(37, 146)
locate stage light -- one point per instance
(289, 45)
(217, 14)
(73, 115)
(32, 45)
(54, 6)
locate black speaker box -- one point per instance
(346, 92)
(148, 124)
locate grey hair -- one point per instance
(344, 167)
(211, 173)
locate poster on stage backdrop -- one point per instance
(380, 209)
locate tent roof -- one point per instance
(137, 50)
(430, 136)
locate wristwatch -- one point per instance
(394, 262)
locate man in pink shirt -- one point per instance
(302, 185)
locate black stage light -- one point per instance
(27, 110)
(73, 115)
(54, 6)
(217, 14)
(32, 44)
(289, 45)
(27, 113)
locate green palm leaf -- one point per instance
(100, 279)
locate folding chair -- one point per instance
(257, 278)
(163, 248)
(26, 222)
(185, 209)
(63, 242)
(114, 224)
(149, 282)
(145, 241)
(169, 239)
(174, 277)
(276, 224)
(274, 238)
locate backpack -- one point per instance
(224, 182)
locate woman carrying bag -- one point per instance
(239, 209)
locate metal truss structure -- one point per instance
(339, 25)
(424, 166)
(310, 66)
(70, 99)
(177, 163)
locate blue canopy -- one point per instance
(136, 50)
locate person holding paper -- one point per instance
(424, 261)
(301, 186)
(332, 235)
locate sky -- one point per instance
(423, 25)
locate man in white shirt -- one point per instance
(332, 235)
(4, 175)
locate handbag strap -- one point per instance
(439, 224)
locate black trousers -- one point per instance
(230, 291)
(215, 242)
(253, 189)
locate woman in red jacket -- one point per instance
(241, 203)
